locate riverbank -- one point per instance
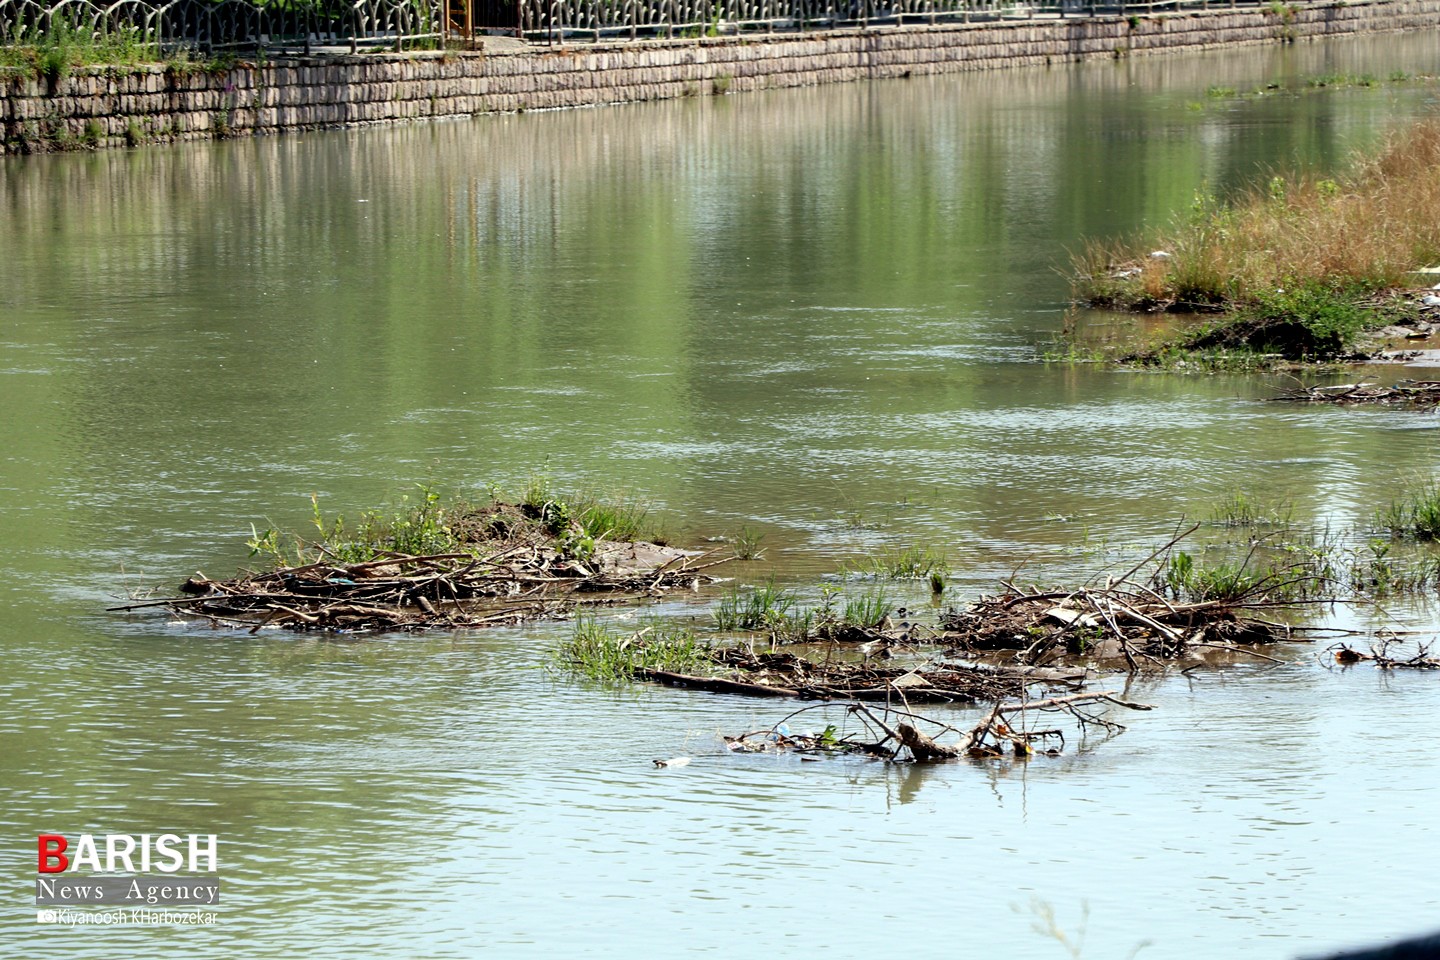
(1302, 268)
(98, 107)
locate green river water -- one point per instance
(816, 313)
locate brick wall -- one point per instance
(122, 106)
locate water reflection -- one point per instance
(817, 309)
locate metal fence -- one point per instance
(599, 19)
(217, 25)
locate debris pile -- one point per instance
(895, 734)
(784, 674)
(509, 568)
(1406, 393)
(1380, 654)
(1113, 623)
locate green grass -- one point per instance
(1414, 515)
(56, 53)
(1380, 572)
(596, 651)
(425, 522)
(907, 563)
(1296, 265)
(619, 517)
(1269, 574)
(768, 609)
(1340, 79)
(1237, 509)
(747, 544)
(868, 610)
(764, 607)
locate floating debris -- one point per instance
(784, 674)
(1133, 625)
(894, 734)
(1380, 655)
(1406, 393)
(511, 565)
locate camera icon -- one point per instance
(46, 916)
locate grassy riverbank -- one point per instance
(54, 53)
(1300, 267)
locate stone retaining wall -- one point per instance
(125, 106)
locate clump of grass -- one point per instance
(1186, 580)
(418, 525)
(596, 651)
(1341, 79)
(1237, 509)
(589, 516)
(54, 52)
(1380, 572)
(747, 544)
(1297, 258)
(907, 563)
(1277, 577)
(425, 522)
(1414, 515)
(763, 607)
(866, 611)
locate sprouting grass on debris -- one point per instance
(426, 522)
(596, 650)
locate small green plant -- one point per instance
(1187, 580)
(417, 526)
(1062, 351)
(908, 563)
(1415, 514)
(596, 651)
(1239, 510)
(747, 544)
(866, 611)
(1338, 79)
(721, 84)
(267, 544)
(1270, 571)
(755, 608)
(618, 517)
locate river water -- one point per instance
(812, 313)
